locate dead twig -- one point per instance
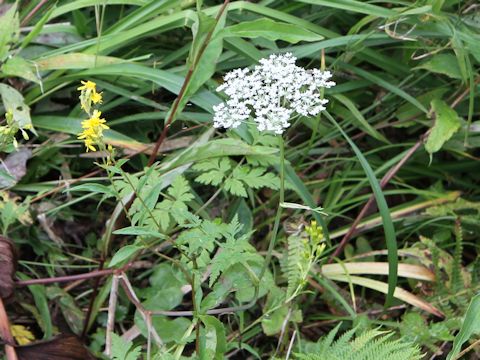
(112, 307)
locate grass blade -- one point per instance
(388, 227)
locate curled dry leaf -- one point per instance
(62, 347)
(14, 167)
(8, 264)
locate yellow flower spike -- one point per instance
(89, 95)
(87, 85)
(93, 130)
(92, 134)
(96, 97)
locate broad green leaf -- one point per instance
(17, 66)
(201, 28)
(169, 330)
(165, 276)
(76, 61)
(165, 293)
(216, 341)
(408, 111)
(271, 30)
(9, 30)
(471, 326)
(447, 123)
(276, 312)
(123, 254)
(445, 64)
(13, 101)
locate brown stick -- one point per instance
(68, 278)
(6, 334)
(183, 89)
(33, 12)
(385, 180)
(112, 306)
(60, 187)
(92, 301)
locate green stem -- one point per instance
(278, 216)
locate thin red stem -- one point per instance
(183, 89)
(33, 12)
(68, 278)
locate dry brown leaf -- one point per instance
(62, 347)
(15, 166)
(8, 265)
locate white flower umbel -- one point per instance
(271, 94)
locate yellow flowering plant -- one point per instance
(89, 95)
(93, 127)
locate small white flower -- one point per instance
(272, 93)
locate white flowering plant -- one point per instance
(272, 94)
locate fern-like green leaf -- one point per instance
(371, 345)
(124, 350)
(180, 190)
(256, 178)
(235, 187)
(173, 208)
(214, 171)
(232, 251)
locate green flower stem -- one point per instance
(278, 216)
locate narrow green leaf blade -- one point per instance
(388, 227)
(271, 30)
